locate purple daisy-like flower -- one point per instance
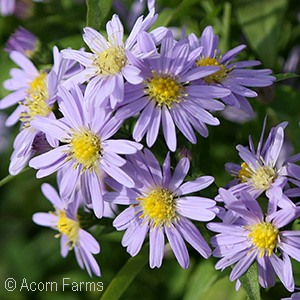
(159, 205)
(38, 97)
(264, 170)
(168, 94)
(22, 41)
(65, 220)
(231, 75)
(254, 237)
(112, 60)
(84, 132)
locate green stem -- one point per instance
(8, 178)
(126, 275)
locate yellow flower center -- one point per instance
(37, 94)
(85, 148)
(165, 90)
(111, 61)
(264, 236)
(261, 178)
(216, 77)
(68, 227)
(159, 207)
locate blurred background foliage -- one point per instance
(271, 31)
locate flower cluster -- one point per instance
(72, 119)
(246, 232)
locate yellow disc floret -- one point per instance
(261, 178)
(164, 90)
(68, 227)
(264, 237)
(35, 101)
(216, 77)
(158, 207)
(85, 148)
(110, 61)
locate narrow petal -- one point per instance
(178, 246)
(180, 173)
(198, 184)
(242, 266)
(156, 247)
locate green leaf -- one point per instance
(97, 12)
(261, 22)
(126, 275)
(250, 283)
(283, 76)
(201, 281)
(168, 14)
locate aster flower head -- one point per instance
(22, 41)
(264, 170)
(72, 237)
(111, 61)
(86, 150)
(231, 75)
(35, 92)
(160, 206)
(168, 94)
(252, 237)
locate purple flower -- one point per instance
(22, 41)
(36, 94)
(65, 220)
(264, 170)
(159, 206)
(7, 7)
(86, 150)
(231, 75)
(168, 94)
(254, 237)
(112, 60)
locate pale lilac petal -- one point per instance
(96, 193)
(156, 247)
(51, 194)
(266, 273)
(131, 74)
(96, 42)
(122, 221)
(143, 121)
(122, 146)
(169, 129)
(88, 241)
(117, 173)
(178, 246)
(242, 266)
(45, 219)
(48, 158)
(154, 128)
(194, 208)
(12, 98)
(54, 128)
(180, 173)
(192, 235)
(283, 270)
(24, 62)
(198, 184)
(136, 243)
